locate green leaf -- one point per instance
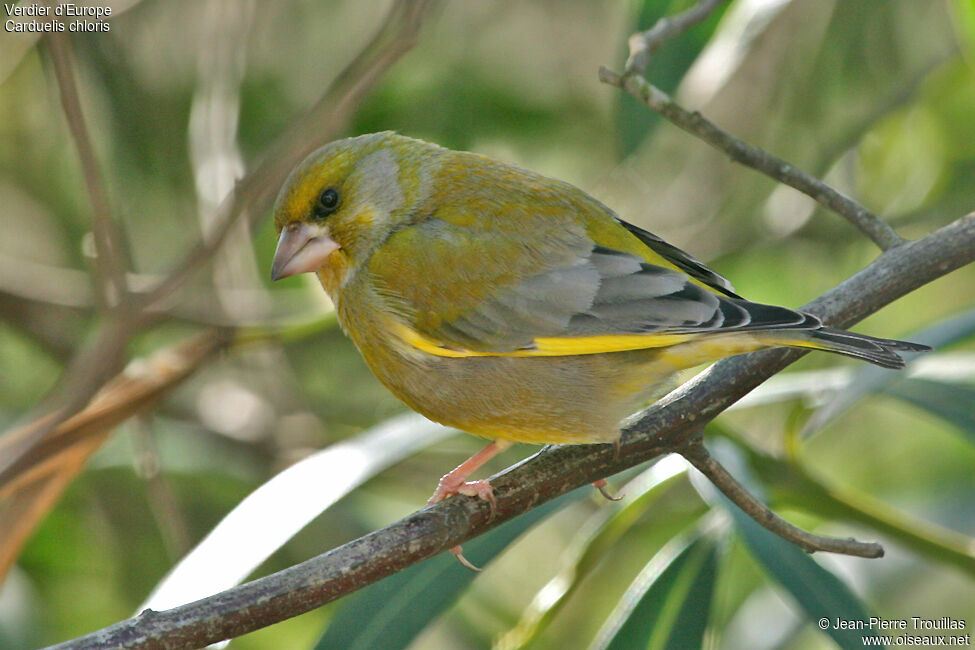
(949, 401)
(872, 379)
(260, 525)
(389, 614)
(667, 606)
(818, 592)
(601, 533)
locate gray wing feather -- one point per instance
(608, 292)
(540, 305)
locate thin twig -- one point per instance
(164, 505)
(109, 243)
(254, 191)
(702, 459)
(791, 483)
(96, 364)
(63, 289)
(33, 481)
(644, 44)
(664, 427)
(742, 152)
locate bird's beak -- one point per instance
(302, 248)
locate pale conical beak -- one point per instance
(302, 248)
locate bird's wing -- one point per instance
(687, 263)
(496, 288)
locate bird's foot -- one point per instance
(455, 483)
(450, 485)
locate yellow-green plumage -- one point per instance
(511, 305)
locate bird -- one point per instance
(510, 305)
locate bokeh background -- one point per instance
(183, 96)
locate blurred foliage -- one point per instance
(877, 97)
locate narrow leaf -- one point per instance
(871, 379)
(277, 510)
(950, 401)
(668, 604)
(389, 614)
(819, 593)
(597, 538)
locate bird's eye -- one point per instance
(327, 202)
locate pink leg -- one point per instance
(455, 482)
(601, 483)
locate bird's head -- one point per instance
(345, 199)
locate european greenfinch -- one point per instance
(510, 305)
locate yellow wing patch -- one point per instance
(556, 346)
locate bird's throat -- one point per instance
(335, 273)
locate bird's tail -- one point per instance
(882, 352)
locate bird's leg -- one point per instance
(454, 482)
(601, 483)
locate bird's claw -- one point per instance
(448, 486)
(457, 552)
(603, 490)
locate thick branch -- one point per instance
(724, 481)
(664, 427)
(742, 152)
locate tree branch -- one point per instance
(95, 364)
(750, 155)
(702, 459)
(644, 44)
(32, 482)
(667, 426)
(109, 244)
(254, 191)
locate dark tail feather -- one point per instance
(882, 352)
